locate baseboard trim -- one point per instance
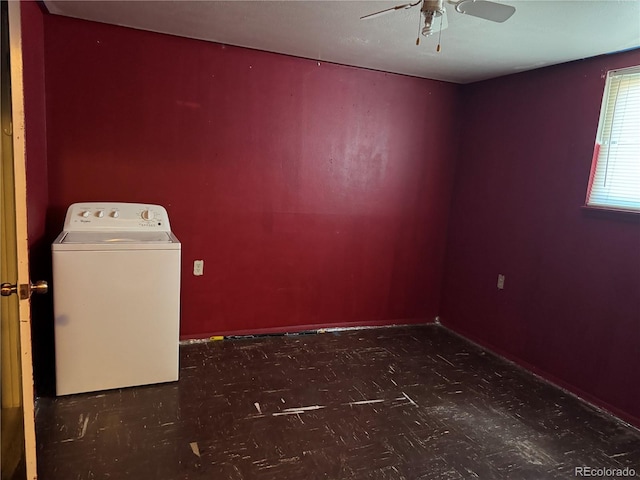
(302, 329)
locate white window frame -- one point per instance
(615, 171)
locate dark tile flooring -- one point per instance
(393, 403)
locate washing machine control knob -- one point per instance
(100, 213)
(115, 214)
(86, 213)
(147, 215)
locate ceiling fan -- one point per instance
(431, 10)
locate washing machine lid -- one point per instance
(114, 238)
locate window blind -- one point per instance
(616, 178)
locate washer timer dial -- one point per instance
(147, 215)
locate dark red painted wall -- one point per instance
(570, 308)
(35, 119)
(317, 194)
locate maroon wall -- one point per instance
(317, 194)
(35, 119)
(570, 309)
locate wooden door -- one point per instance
(18, 444)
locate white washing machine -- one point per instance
(116, 294)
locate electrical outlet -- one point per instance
(500, 281)
(198, 267)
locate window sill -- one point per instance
(632, 216)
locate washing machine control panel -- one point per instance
(116, 216)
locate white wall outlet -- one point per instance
(500, 281)
(198, 267)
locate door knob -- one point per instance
(7, 289)
(40, 287)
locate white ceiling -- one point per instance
(540, 33)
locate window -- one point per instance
(615, 173)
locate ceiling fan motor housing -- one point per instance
(435, 6)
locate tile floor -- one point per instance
(391, 403)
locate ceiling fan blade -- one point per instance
(496, 12)
(389, 10)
